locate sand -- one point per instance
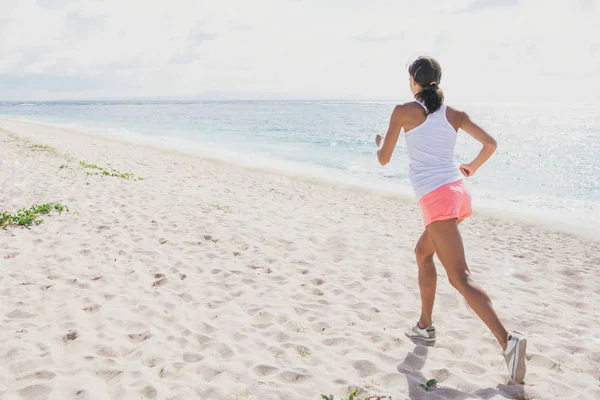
(206, 280)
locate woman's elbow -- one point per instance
(492, 144)
(383, 161)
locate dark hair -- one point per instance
(427, 73)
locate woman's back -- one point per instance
(430, 140)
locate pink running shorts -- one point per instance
(449, 201)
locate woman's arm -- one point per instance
(488, 142)
(385, 150)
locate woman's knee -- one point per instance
(423, 253)
(459, 280)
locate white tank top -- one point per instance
(431, 153)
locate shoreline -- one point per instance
(529, 215)
(210, 280)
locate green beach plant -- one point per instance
(26, 217)
(350, 397)
(225, 209)
(108, 172)
(43, 147)
(430, 384)
(354, 395)
(303, 351)
(34, 146)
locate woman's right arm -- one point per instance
(488, 142)
(386, 149)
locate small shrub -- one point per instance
(225, 209)
(303, 352)
(430, 384)
(31, 216)
(91, 166)
(108, 172)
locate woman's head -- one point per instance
(425, 76)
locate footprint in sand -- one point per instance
(11, 255)
(192, 358)
(139, 337)
(93, 308)
(365, 368)
(212, 239)
(35, 392)
(149, 392)
(225, 351)
(292, 377)
(41, 375)
(159, 282)
(202, 340)
(265, 370)
(109, 375)
(18, 314)
(107, 352)
(70, 336)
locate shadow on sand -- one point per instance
(411, 368)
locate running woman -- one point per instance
(430, 129)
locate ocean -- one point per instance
(547, 166)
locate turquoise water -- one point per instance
(547, 165)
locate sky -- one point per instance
(490, 50)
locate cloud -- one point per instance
(84, 25)
(185, 57)
(587, 5)
(88, 48)
(191, 52)
(199, 34)
(53, 4)
(242, 28)
(53, 83)
(476, 5)
(379, 38)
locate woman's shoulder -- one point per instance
(454, 110)
(410, 114)
(412, 105)
(454, 116)
(411, 108)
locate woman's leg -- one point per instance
(427, 278)
(448, 246)
(424, 253)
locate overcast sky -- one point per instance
(496, 50)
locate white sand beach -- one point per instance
(206, 280)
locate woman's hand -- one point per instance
(378, 140)
(467, 170)
(488, 143)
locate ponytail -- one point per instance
(432, 97)
(427, 73)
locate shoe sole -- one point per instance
(420, 338)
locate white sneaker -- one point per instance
(515, 356)
(427, 334)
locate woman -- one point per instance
(430, 128)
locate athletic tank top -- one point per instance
(431, 153)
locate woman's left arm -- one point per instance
(386, 144)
